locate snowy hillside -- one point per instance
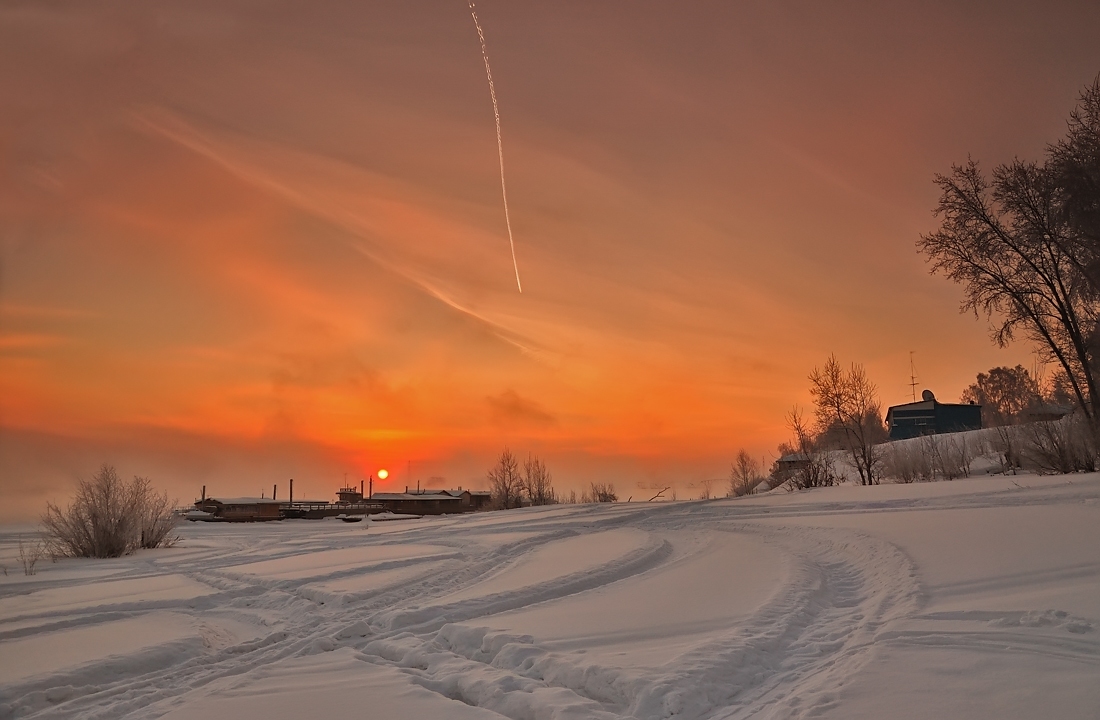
(973, 599)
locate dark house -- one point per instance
(419, 503)
(931, 417)
(787, 467)
(471, 499)
(433, 502)
(240, 509)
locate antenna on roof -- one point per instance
(912, 376)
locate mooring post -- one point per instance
(291, 489)
(275, 491)
(360, 488)
(370, 496)
(203, 495)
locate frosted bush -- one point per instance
(109, 517)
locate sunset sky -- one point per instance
(242, 242)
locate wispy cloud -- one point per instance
(170, 126)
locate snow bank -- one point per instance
(977, 598)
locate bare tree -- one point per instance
(847, 403)
(505, 482)
(537, 482)
(109, 517)
(707, 489)
(744, 474)
(1075, 161)
(1024, 246)
(805, 464)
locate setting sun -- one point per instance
(383, 474)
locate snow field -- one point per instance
(976, 598)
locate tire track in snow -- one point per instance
(842, 588)
(846, 592)
(87, 696)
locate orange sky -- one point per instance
(242, 243)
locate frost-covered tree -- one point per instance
(110, 517)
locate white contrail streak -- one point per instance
(500, 144)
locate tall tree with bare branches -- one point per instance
(538, 482)
(847, 402)
(744, 474)
(1025, 246)
(505, 482)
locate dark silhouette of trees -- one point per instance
(1024, 245)
(505, 482)
(537, 482)
(1005, 394)
(599, 492)
(1075, 161)
(846, 406)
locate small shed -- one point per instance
(931, 417)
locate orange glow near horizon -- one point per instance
(225, 261)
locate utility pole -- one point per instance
(912, 376)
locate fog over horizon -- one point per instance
(243, 243)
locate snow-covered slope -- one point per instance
(976, 599)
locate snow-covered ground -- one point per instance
(969, 599)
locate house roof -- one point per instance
(413, 496)
(928, 405)
(919, 405)
(244, 501)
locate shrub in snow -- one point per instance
(907, 462)
(1059, 446)
(109, 517)
(951, 454)
(600, 492)
(1007, 442)
(29, 555)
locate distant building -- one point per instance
(243, 509)
(1046, 412)
(433, 502)
(787, 467)
(931, 417)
